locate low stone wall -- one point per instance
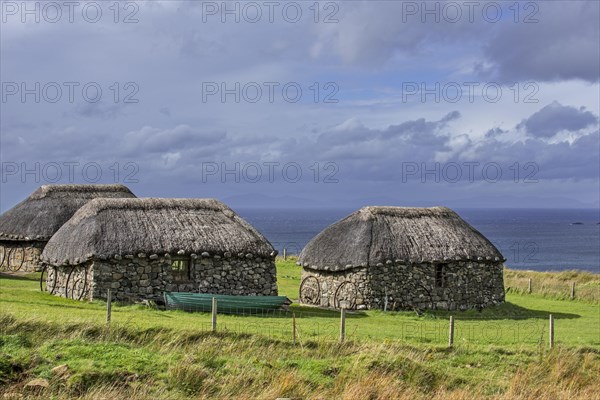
(21, 256)
(467, 285)
(148, 277)
(73, 282)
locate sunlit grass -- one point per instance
(500, 352)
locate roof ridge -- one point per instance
(47, 190)
(157, 203)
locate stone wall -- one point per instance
(21, 256)
(148, 277)
(73, 282)
(467, 285)
(319, 288)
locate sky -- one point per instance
(305, 104)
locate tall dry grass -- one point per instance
(560, 374)
(246, 367)
(555, 284)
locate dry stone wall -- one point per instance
(464, 285)
(350, 289)
(21, 256)
(73, 282)
(140, 277)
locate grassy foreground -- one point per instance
(145, 353)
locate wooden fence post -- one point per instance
(284, 254)
(108, 306)
(385, 301)
(529, 286)
(451, 332)
(294, 327)
(342, 324)
(214, 314)
(573, 291)
(551, 331)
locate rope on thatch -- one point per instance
(373, 236)
(115, 228)
(40, 215)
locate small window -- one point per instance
(441, 278)
(180, 270)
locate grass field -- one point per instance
(500, 352)
(555, 285)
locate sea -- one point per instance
(529, 239)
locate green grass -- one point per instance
(147, 353)
(521, 320)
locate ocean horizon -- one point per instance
(529, 239)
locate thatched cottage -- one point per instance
(140, 248)
(401, 258)
(26, 228)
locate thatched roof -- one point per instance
(40, 215)
(115, 228)
(386, 235)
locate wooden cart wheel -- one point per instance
(83, 290)
(68, 282)
(310, 291)
(44, 284)
(345, 296)
(15, 269)
(3, 258)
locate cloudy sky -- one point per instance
(289, 104)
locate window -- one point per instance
(180, 270)
(441, 278)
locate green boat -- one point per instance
(202, 302)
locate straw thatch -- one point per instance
(114, 228)
(40, 215)
(374, 235)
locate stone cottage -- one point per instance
(399, 258)
(140, 248)
(26, 228)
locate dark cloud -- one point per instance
(378, 154)
(99, 110)
(155, 140)
(495, 132)
(555, 117)
(561, 45)
(552, 161)
(417, 132)
(548, 41)
(171, 132)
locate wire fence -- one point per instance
(565, 290)
(301, 324)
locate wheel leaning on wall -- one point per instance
(5, 264)
(310, 291)
(68, 282)
(345, 295)
(18, 268)
(3, 258)
(44, 284)
(83, 289)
